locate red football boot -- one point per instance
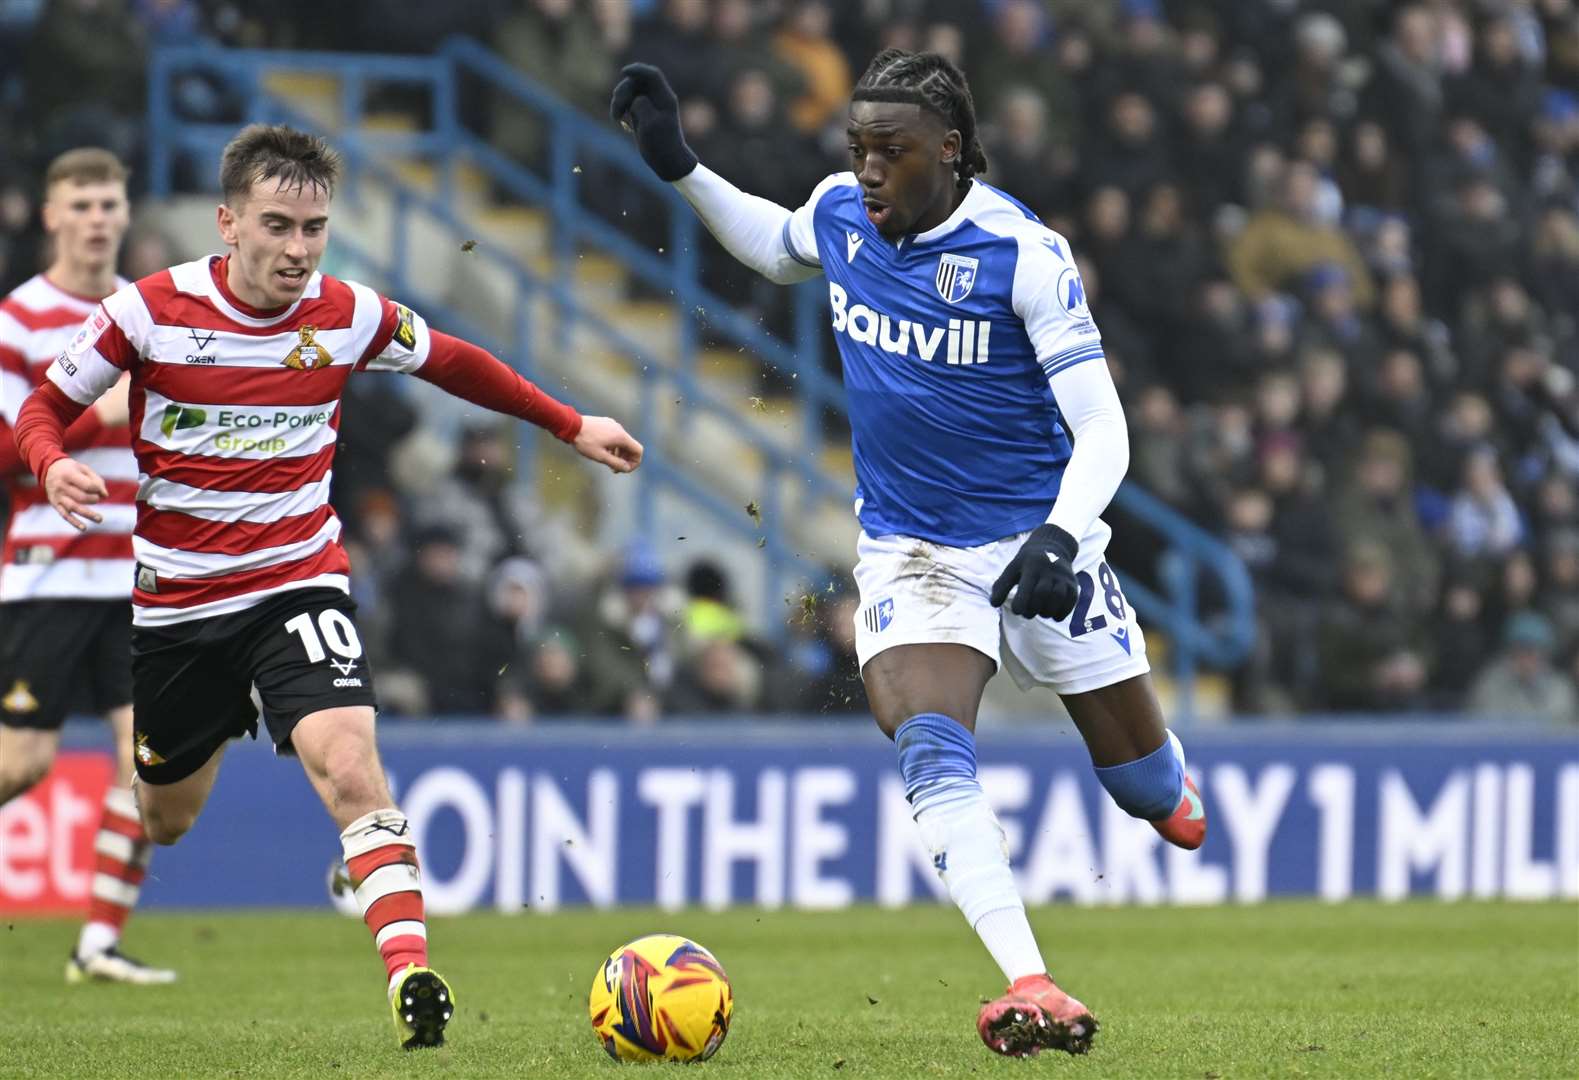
(1034, 1015)
(1186, 826)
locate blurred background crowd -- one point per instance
(1332, 246)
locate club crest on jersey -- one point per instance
(146, 754)
(20, 699)
(956, 276)
(879, 615)
(308, 354)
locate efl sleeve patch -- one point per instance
(409, 341)
(405, 330)
(1050, 299)
(93, 361)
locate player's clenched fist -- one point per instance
(71, 488)
(645, 103)
(1044, 570)
(603, 440)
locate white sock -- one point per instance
(972, 856)
(1007, 935)
(1178, 750)
(96, 937)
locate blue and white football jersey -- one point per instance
(948, 338)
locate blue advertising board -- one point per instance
(815, 818)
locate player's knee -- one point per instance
(354, 777)
(165, 824)
(19, 777)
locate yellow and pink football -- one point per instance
(661, 998)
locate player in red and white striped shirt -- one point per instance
(65, 616)
(237, 365)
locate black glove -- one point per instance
(1044, 570)
(645, 97)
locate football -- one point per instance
(662, 997)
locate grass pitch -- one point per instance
(1285, 989)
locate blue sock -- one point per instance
(937, 760)
(1148, 787)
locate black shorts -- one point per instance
(57, 656)
(192, 681)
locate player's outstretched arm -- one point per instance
(476, 375)
(751, 228)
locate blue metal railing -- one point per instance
(574, 139)
(1222, 643)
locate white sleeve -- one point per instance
(397, 338)
(776, 243)
(1051, 300)
(103, 349)
(1088, 402)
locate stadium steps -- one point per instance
(1213, 695)
(520, 230)
(650, 322)
(839, 459)
(708, 448)
(732, 373)
(716, 454)
(315, 96)
(600, 280)
(421, 175)
(472, 190)
(776, 418)
(559, 488)
(391, 123)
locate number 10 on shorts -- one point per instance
(333, 629)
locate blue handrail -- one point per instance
(1222, 643)
(675, 268)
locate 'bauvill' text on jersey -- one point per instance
(948, 339)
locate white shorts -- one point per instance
(915, 592)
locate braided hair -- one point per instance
(936, 85)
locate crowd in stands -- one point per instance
(1332, 245)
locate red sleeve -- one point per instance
(41, 427)
(80, 435)
(84, 433)
(476, 375)
(10, 456)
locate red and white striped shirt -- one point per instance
(234, 416)
(45, 558)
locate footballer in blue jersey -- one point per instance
(988, 438)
